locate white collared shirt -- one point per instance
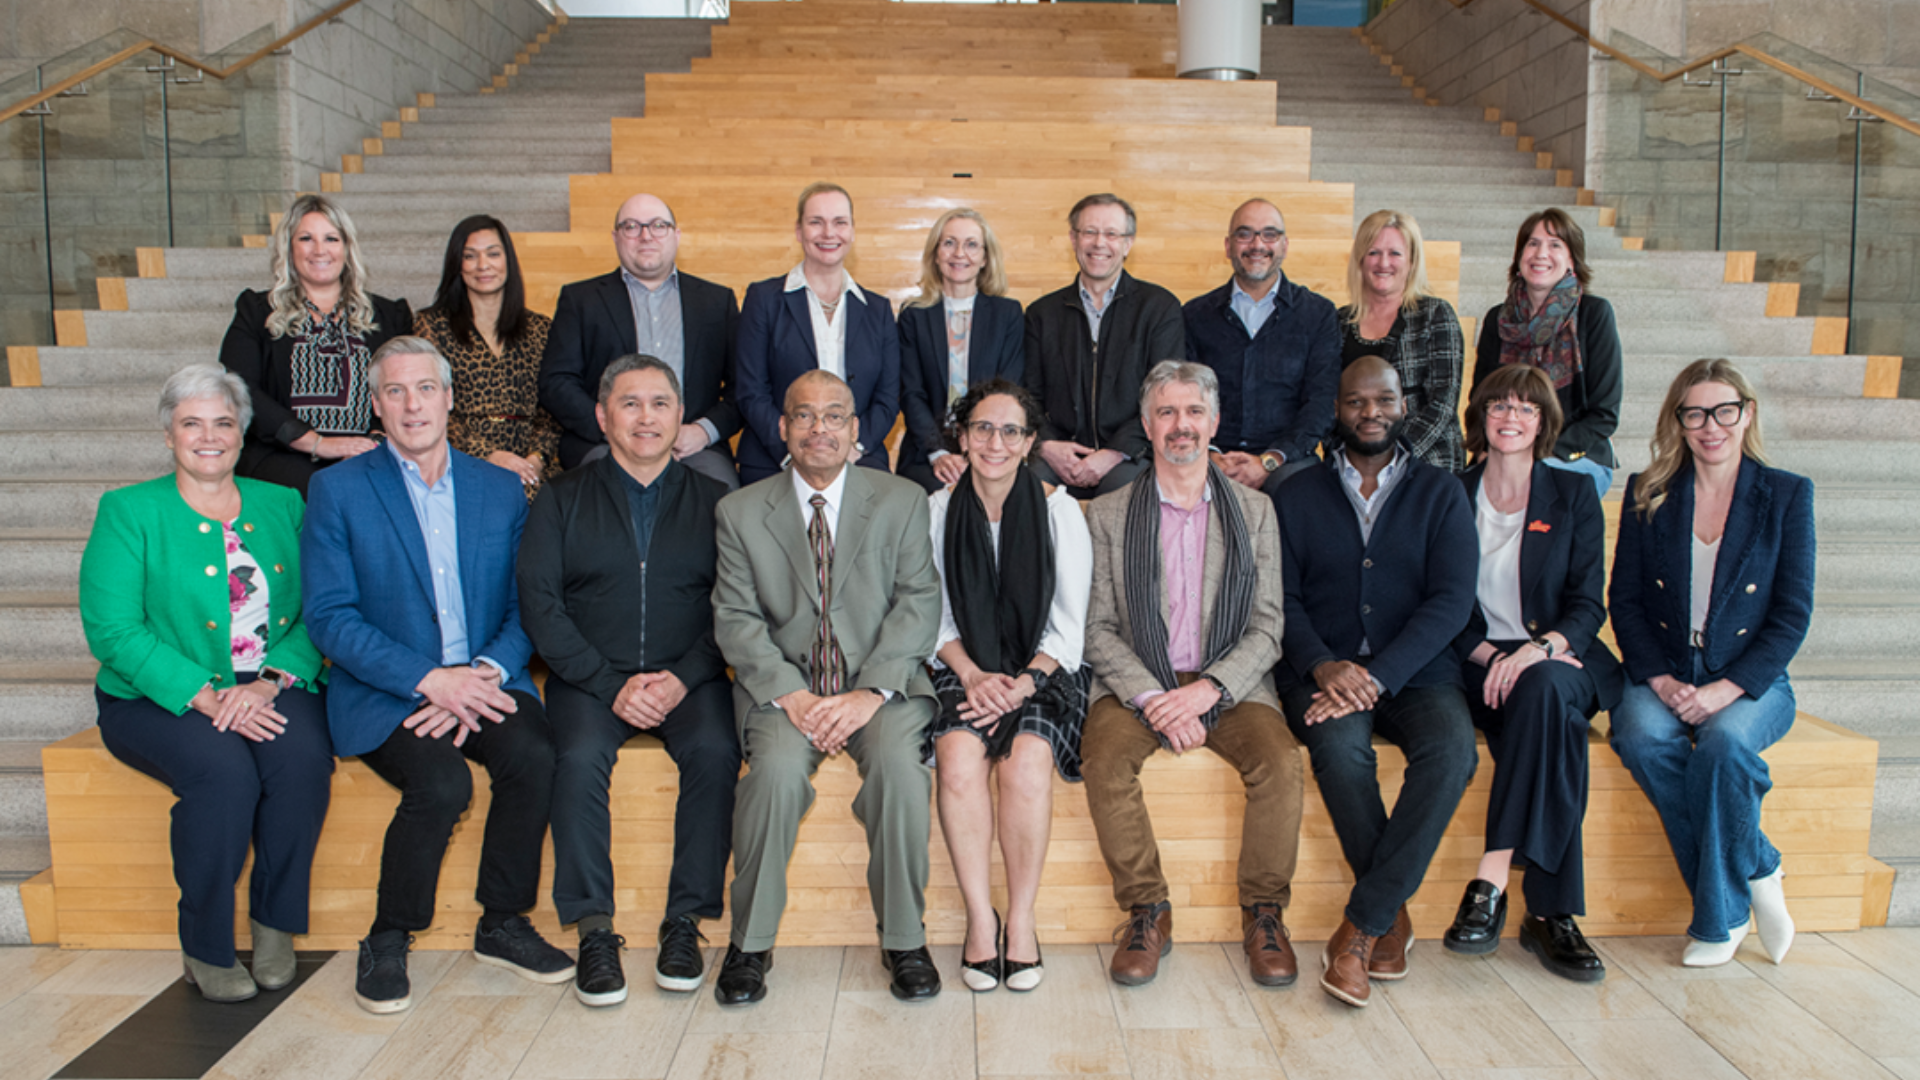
(829, 337)
(834, 492)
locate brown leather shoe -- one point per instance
(1269, 949)
(1142, 940)
(1390, 951)
(1344, 967)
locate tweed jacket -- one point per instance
(1246, 670)
(886, 593)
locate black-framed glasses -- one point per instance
(1244, 235)
(1009, 433)
(658, 228)
(1726, 414)
(1525, 410)
(806, 419)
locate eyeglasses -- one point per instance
(1244, 235)
(1111, 237)
(806, 419)
(658, 228)
(1726, 414)
(1525, 410)
(1009, 433)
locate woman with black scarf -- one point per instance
(1016, 568)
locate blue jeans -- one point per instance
(1601, 476)
(1707, 782)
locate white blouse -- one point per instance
(1499, 586)
(1065, 637)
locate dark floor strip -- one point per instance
(179, 1035)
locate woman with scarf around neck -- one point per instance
(1016, 569)
(1551, 322)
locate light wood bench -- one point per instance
(949, 97)
(111, 884)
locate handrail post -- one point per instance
(1853, 217)
(46, 206)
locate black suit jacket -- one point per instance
(997, 347)
(1406, 591)
(596, 614)
(265, 364)
(593, 325)
(1563, 576)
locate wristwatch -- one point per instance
(1544, 644)
(1226, 699)
(1040, 678)
(1272, 460)
(285, 680)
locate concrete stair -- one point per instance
(91, 426)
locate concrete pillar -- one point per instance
(1219, 39)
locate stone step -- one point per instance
(138, 329)
(611, 101)
(41, 627)
(1444, 184)
(47, 710)
(62, 504)
(432, 225)
(419, 168)
(60, 408)
(40, 560)
(83, 455)
(478, 189)
(87, 366)
(23, 794)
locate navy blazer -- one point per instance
(1563, 574)
(369, 593)
(1277, 387)
(593, 326)
(1407, 591)
(1762, 580)
(997, 348)
(776, 346)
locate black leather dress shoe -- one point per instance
(1561, 947)
(743, 977)
(1483, 914)
(914, 976)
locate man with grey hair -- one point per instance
(1182, 632)
(616, 578)
(407, 570)
(646, 305)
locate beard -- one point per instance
(1354, 444)
(1199, 451)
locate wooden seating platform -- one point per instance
(111, 884)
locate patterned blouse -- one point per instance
(1425, 347)
(496, 399)
(247, 596)
(330, 391)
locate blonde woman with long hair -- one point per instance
(1391, 314)
(302, 348)
(1711, 596)
(961, 330)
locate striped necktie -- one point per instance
(825, 663)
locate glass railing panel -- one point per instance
(229, 167)
(26, 306)
(1886, 259)
(1657, 159)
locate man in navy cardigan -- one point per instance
(1275, 345)
(1380, 559)
(407, 564)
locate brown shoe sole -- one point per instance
(1336, 992)
(1394, 975)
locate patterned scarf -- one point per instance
(1548, 339)
(1232, 608)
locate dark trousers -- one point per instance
(701, 738)
(1389, 855)
(1120, 476)
(1539, 793)
(232, 792)
(435, 789)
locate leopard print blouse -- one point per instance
(497, 398)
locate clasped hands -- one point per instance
(1345, 687)
(1694, 704)
(245, 710)
(458, 698)
(1242, 467)
(648, 697)
(828, 722)
(1077, 465)
(1503, 670)
(1175, 714)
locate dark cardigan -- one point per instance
(1097, 404)
(1407, 592)
(1762, 581)
(1589, 404)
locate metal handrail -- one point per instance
(136, 49)
(1862, 104)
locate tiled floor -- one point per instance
(1845, 1006)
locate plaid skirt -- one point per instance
(1060, 726)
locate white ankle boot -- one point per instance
(1770, 915)
(1715, 953)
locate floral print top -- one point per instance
(247, 596)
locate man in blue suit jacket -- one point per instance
(408, 567)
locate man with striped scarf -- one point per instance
(1182, 632)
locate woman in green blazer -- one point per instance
(190, 596)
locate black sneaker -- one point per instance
(597, 977)
(381, 985)
(519, 948)
(680, 966)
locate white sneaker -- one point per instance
(1715, 953)
(1770, 915)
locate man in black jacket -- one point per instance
(1380, 559)
(616, 574)
(646, 306)
(1089, 347)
